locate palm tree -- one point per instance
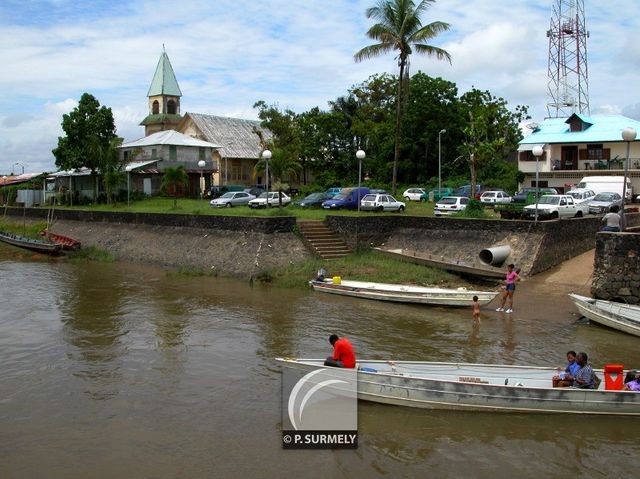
(399, 28)
(173, 181)
(281, 166)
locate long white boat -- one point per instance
(404, 293)
(620, 316)
(477, 387)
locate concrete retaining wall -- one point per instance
(616, 273)
(268, 225)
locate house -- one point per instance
(576, 147)
(149, 156)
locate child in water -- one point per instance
(476, 309)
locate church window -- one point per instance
(155, 108)
(171, 107)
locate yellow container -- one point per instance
(337, 280)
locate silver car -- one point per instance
(232, 198)
(603, 202)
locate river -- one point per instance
(123, 371)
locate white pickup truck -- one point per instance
(556, 206)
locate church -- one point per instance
(214, 150)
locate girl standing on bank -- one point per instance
(510, 287)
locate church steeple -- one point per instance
(164, 98)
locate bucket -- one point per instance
(337, 280)
(613, 377)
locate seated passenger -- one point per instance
(343, 354)
(634, 384)
(585, 377)
(560, 380)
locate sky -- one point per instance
(228, 54)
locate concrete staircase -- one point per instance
(321, 240)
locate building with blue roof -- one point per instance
(579, 146)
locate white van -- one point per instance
(606, 184)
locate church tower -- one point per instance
(164, 99)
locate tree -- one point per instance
(491, 130)
(400, 28)
(89, 130)
(174, 181)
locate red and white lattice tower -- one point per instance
(568, 85)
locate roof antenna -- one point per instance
(163, 47)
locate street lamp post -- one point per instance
(440, 161)
(360, 155)
(266, 154)
(537, 152)
(628, 135)
(128, 170)
(201, 164)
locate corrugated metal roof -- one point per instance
(164, 80)
(138, 164)
(603, 129)
(79, 172)
(168, 137)
(236, 136)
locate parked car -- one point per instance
(555, 206)
(232, 198)
(522, 196)
(465, 190)
(217, 191)
(413, 194)
(602, 202)
(333, 191)
(271, 198)
(582, 195)
(450, 205)
(254, 190)
(378, 202)
(314, 199)
(436, 194)
(348, 198)
(495, 196)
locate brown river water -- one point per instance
(123, 371)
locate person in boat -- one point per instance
(612, 220)
(343, 354)
(633, 384)
(585, 378)
(509, 288)
(560, 380)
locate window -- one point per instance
(171, 107)
(154, 153)
(173, 152)
(201, 153)
(155, 108)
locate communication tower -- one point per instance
(568, 82)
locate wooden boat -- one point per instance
(404, 293)
(455, 266)
(64, 241)
(620, 316)
(40, 246)
(477, 387)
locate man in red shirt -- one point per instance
(343, 354)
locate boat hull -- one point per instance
(45, 247)
(623, 317)
(477, 387)
(404, 294)
(67, 243)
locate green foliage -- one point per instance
(90, 253)
(475, 209)
(175, 181)
(89, 131)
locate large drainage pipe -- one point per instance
(495, 256)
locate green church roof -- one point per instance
(164, 80)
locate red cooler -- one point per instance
(613, 377)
